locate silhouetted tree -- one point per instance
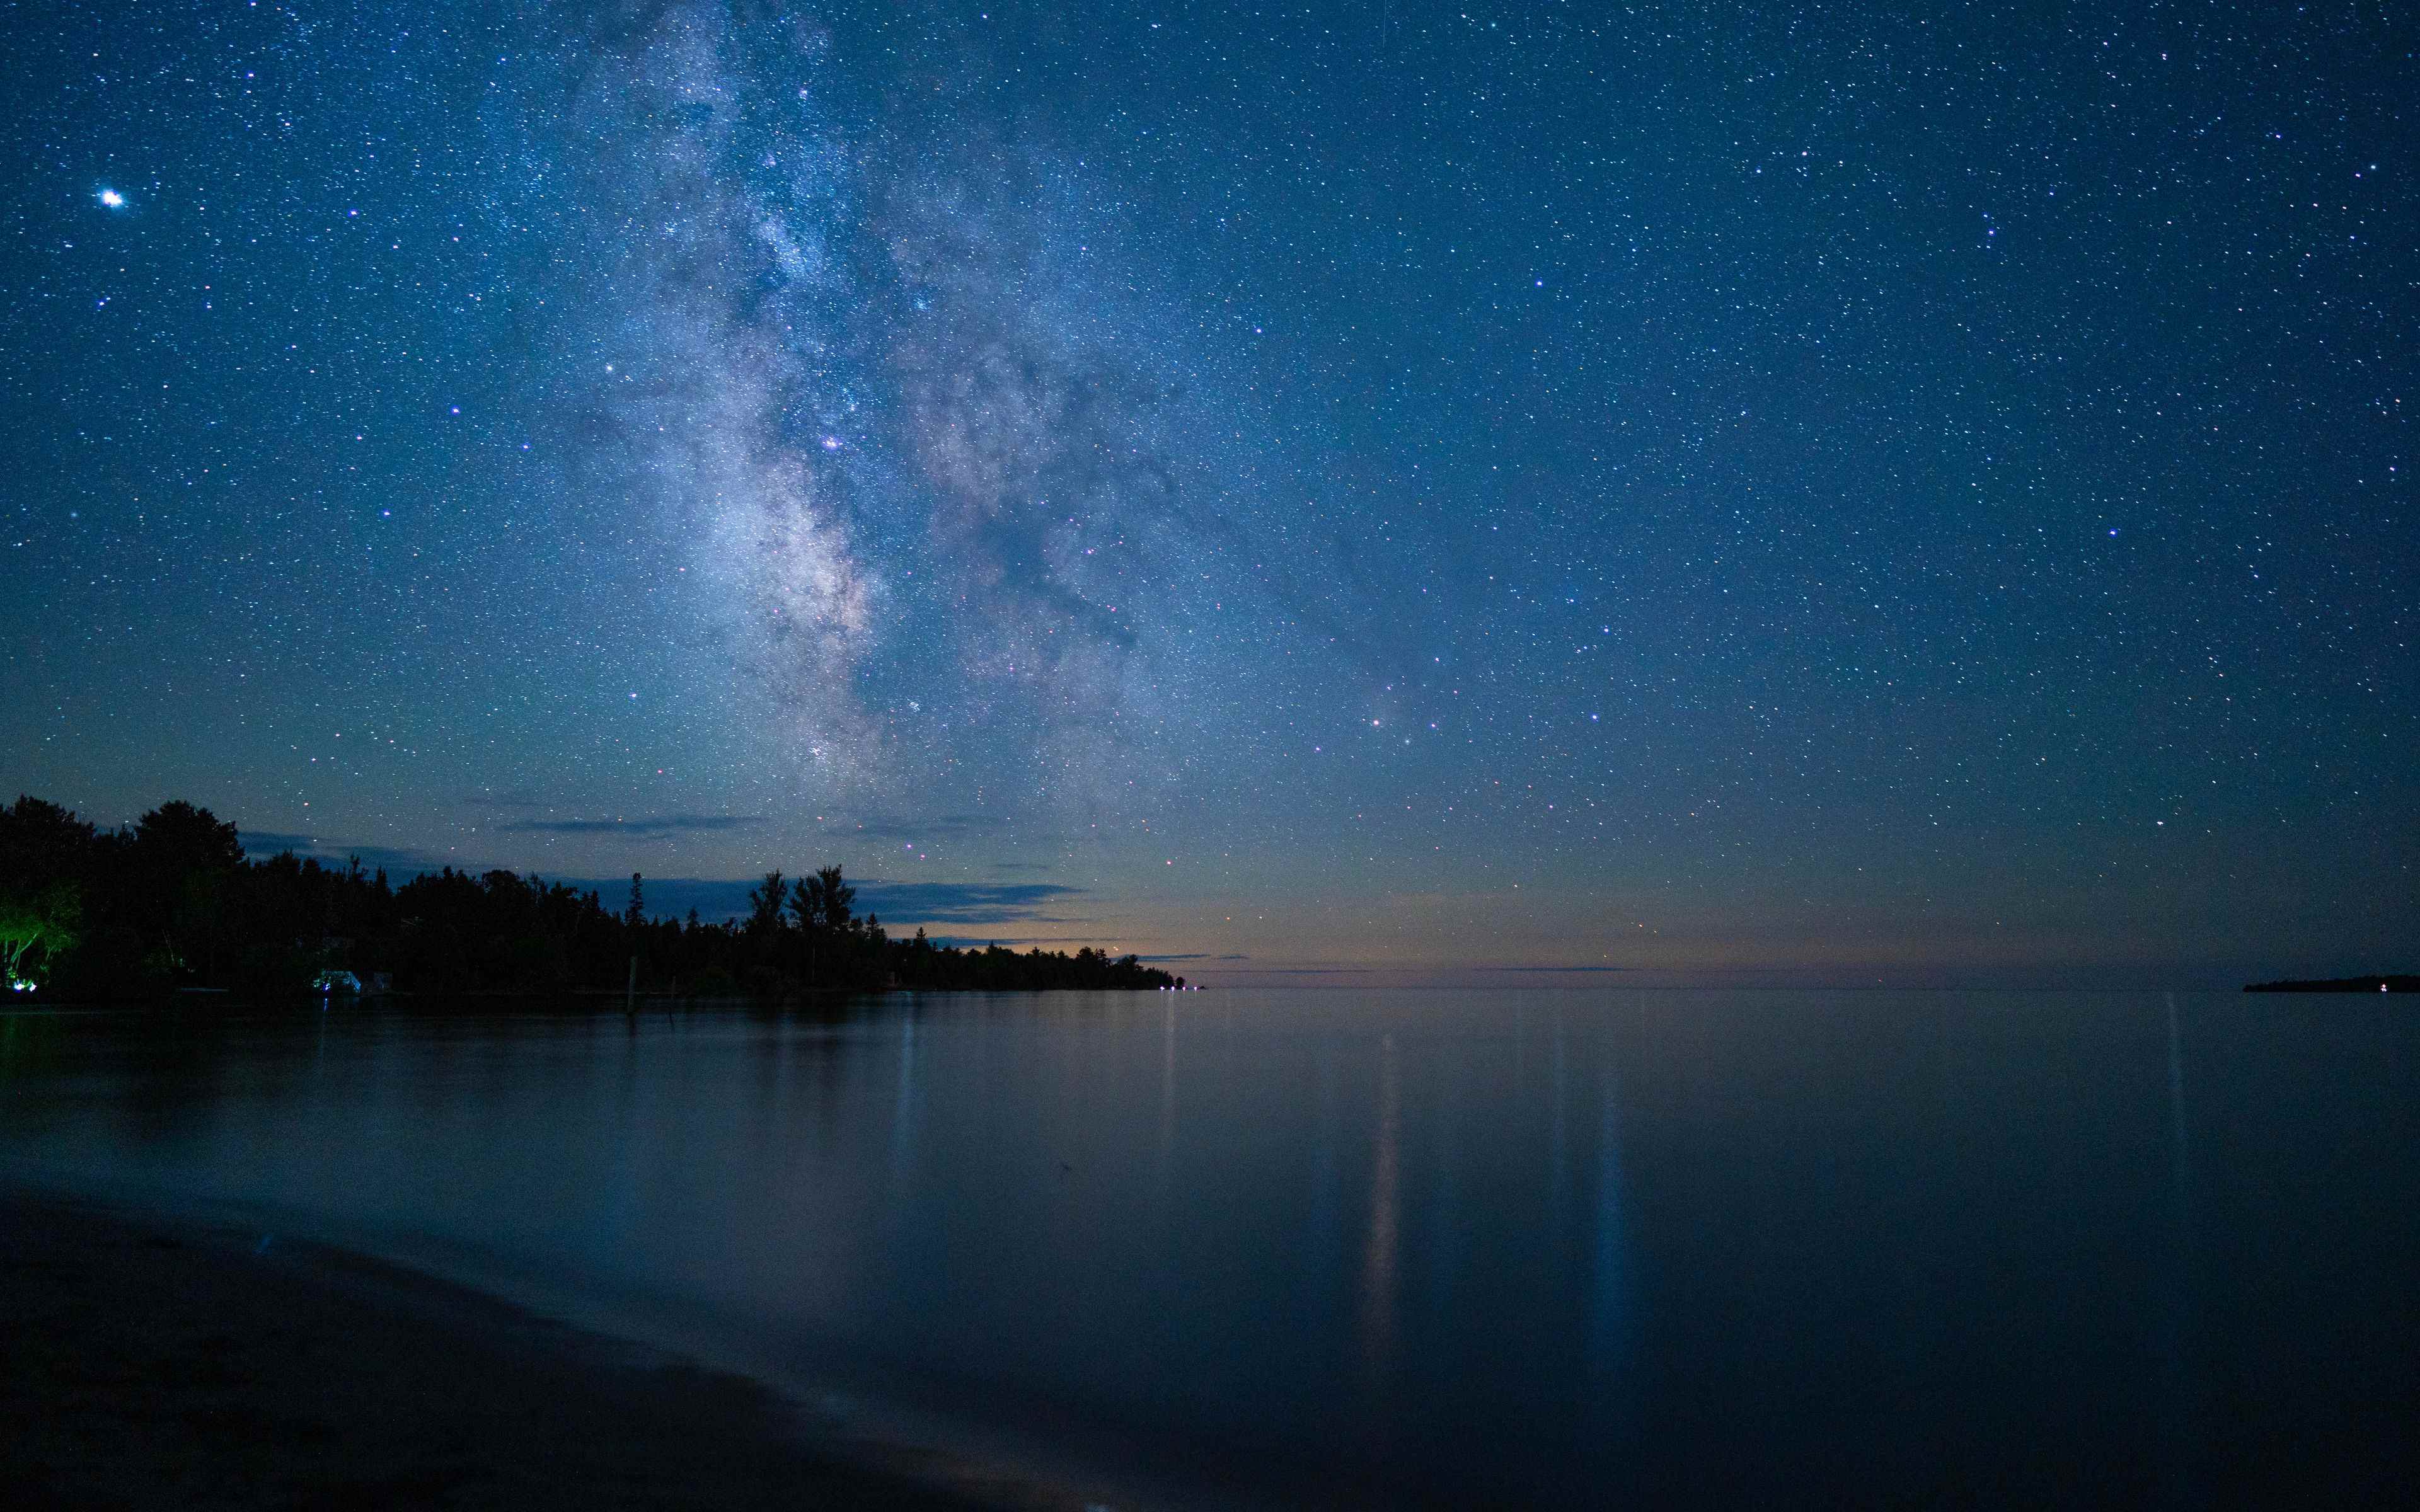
(42, 840)
(127, 914)
(184, 861)
(836, 897)
(764, 906)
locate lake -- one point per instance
(1426, 1247)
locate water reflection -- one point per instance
(1378, 1252)
(1608, 1300)
(2179, 1409)
(1558, 1168)
(1167, 1086)
(904, 1114)
(1446, 1232)
(1319, 1267)
(1527, 1247)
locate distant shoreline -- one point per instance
(2387, 983)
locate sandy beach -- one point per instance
(152, 1362)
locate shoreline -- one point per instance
(152, 1359)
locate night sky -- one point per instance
(1736, 494)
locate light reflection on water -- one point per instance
(1547, 1246)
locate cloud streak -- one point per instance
(966, 903)
(260, 845)
(655, 826)
(715, 898)
(888, 827)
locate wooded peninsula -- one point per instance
(170, 904)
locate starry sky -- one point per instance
(1674, 493)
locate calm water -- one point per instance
(1423, 1247)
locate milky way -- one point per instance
(891, 388)
(1827, 496)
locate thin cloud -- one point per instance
(898, 904)
(644, 826)
(715, 898)
(966, 903)
(935, 828)
(259, 842)
(1006, 942)
(260, 845)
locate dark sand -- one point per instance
(148, 1362)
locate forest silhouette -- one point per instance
(170, 904)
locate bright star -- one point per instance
(113, 199)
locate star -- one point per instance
(111, 199)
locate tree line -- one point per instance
(171, 902)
